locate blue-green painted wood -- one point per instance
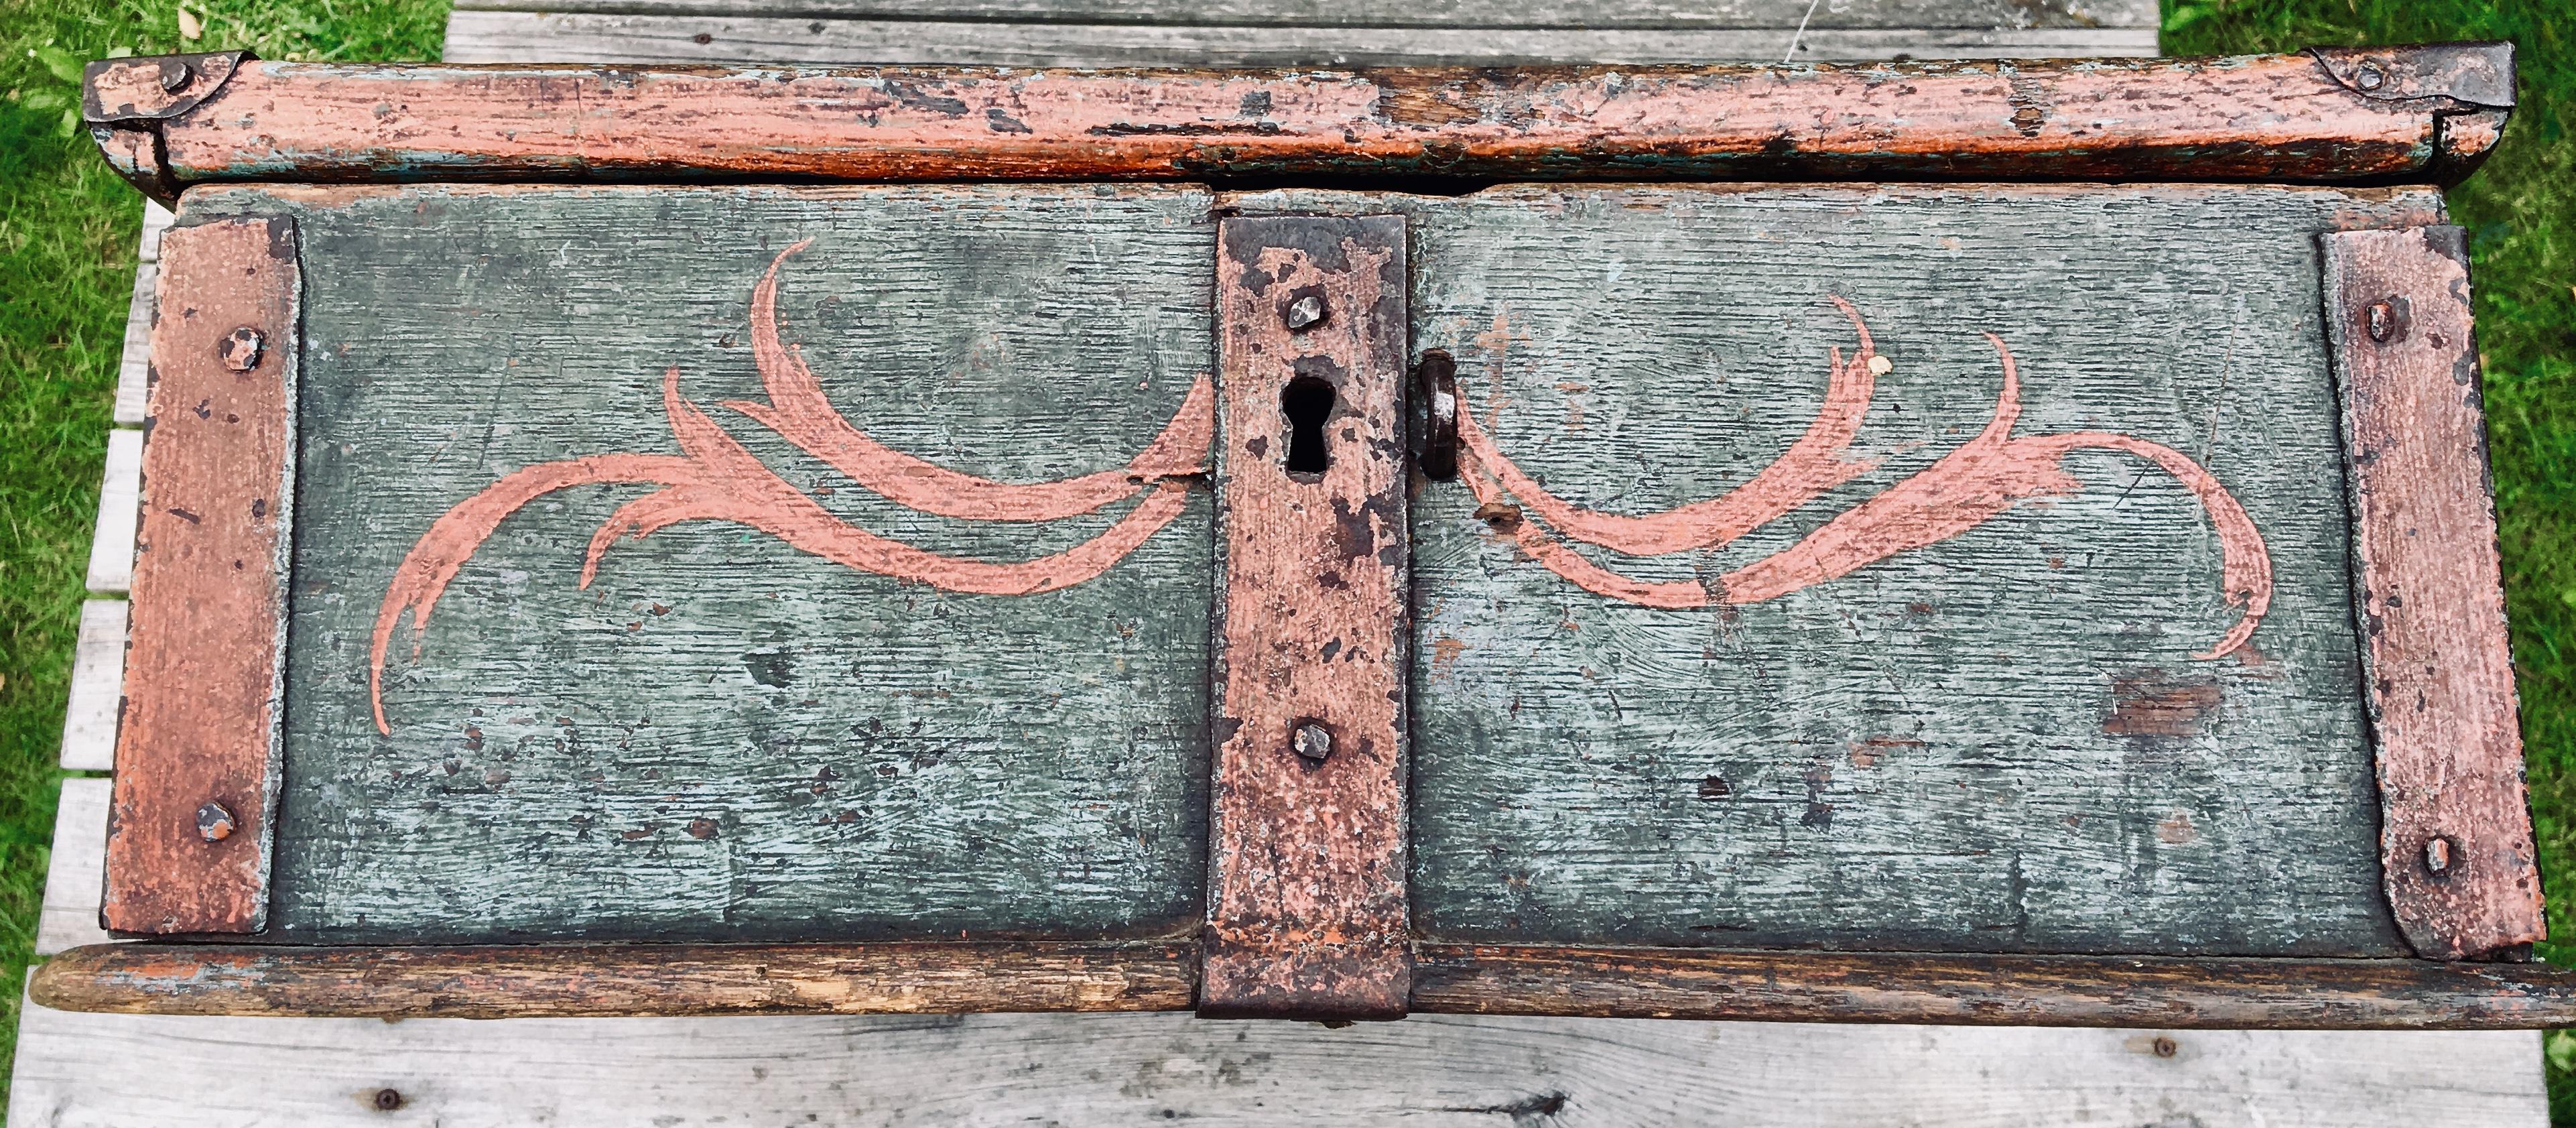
(1998, 743)
(724, 737)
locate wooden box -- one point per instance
(1969, 543)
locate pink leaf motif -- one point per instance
(716, 478)
(1971, 485)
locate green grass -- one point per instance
(67, 231)
(67, 234)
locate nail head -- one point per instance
(242, 348)
(214, 822)
(1312, 741)
(1305, 313)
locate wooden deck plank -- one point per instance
(69, 918)
(111, 551)
(134, 369)
(504, 37)
(98, 683)
(78, 1070)
(1867, 14)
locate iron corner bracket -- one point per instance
(2468, 85)
(125, 101)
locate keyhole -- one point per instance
(1306, 401)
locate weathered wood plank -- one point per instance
(112, 1071)
(2456, 830)
(560, 37)
(1652, 14)
(560, 980)
(2258, 118)
(199, 739)
(98, 688)
(134, 366)
(75, 869)
(111, 549)
(2196, 993)
(2008, 740)
(726, 735)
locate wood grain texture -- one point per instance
(1656, 14)
(733, 37)
(120, 493)
(98, 688)
(2258, 118)
(621, 979)
(74, 869)
(1306, 913)
(78, 1070)
(723, 737)
(198, 746)
(2455, 829)
(134, 364)
(2000, 742)
(1993, 990)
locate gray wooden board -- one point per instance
(516, 36)
(1783, 14)
(75, 871)
(121, 1071)
(1917, 755)
(111, 548)
(97, 689)
(871, 758)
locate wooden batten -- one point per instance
(2414, 114)
(619, 979)
(2455, 831)
(1307, 911)
(693, 979)
(197, 754)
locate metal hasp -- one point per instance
(2429, 116)
(197, 751)
(1307, 908)
(124, 101)
(2468, 87)
(2455, 834)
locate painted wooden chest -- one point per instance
(1980, 543)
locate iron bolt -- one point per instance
(388, 1100)
(2437, 855)
(1305, 313)
(2164, 1047)
(1312, 741)
(176, 77)
(2382, 319)
(214, 822)
(2368, 77)
(242, 348)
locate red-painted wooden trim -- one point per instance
(1307, 908)
(2455, 833)
(188, 832)
(2394, 114)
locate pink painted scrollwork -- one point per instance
(715, 478)
(1967, 487)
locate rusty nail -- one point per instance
(2164, 1047)
(214, 822)
(2437, 855)
(2382, 320)
(242, 348)
(2368, 77)
(1305, 313)
(1312, 741)
(387, 1100)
